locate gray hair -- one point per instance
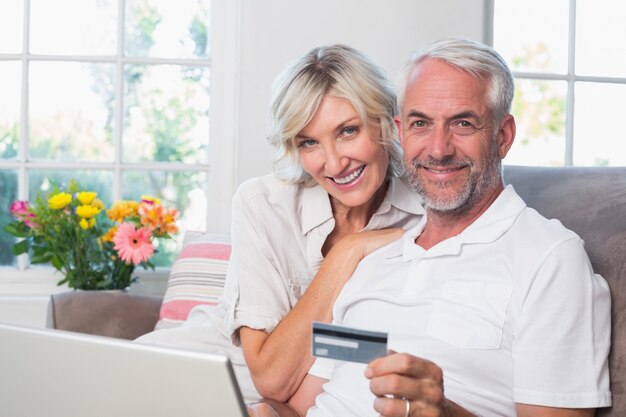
(477, 59)
(345, 73)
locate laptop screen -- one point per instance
(53, 373)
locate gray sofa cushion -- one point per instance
(591, 202)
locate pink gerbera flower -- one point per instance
(133, 245)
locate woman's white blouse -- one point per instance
(277, 233)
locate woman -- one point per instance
(297, 235)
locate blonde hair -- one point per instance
(343, 72)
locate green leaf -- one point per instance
(41, 258)
(21, 247)
(69, 279)
(17, 229)
(39, 250)
(56, 262)
(102, 285)
(73, 186)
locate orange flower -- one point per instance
(157, 219)
(169, 220)
(108, 236)
(150, 215)
(121, 210)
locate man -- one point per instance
(497, 308)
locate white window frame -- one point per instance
(220, 166)
(570, 77)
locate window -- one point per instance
(114, 93)
(570, 79)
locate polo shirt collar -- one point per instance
(497, 219)
(492, 224)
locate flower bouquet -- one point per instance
(95, 248)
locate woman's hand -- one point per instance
(406, 385)
(345, 255)
(368, 241)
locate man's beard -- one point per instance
(477, 185)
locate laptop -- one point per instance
(54, 373)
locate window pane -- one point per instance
(167, 29)
(99, 181)
(11, 19)
(10, 100)
(539, 110)
(600, 34)
(73, 27)
(183, 190)
(598, 110)
(71, 113)
(531, 35)
(8, 194)
(166, 110)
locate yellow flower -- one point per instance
(59, 201)
(87, 212)
(86, 197)
(87, 224)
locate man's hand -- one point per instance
(406, 385)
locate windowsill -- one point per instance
(43, 282)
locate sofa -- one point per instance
(589, 201)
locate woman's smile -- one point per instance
(351, 177)
(342, 153)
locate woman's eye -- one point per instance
(349, 131)
(306, 143)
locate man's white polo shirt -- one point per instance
(510, 309)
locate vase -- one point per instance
(113, 313)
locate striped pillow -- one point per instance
(197, 277)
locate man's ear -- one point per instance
(506, 135)
(398, 123)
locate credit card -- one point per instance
(347, 344)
